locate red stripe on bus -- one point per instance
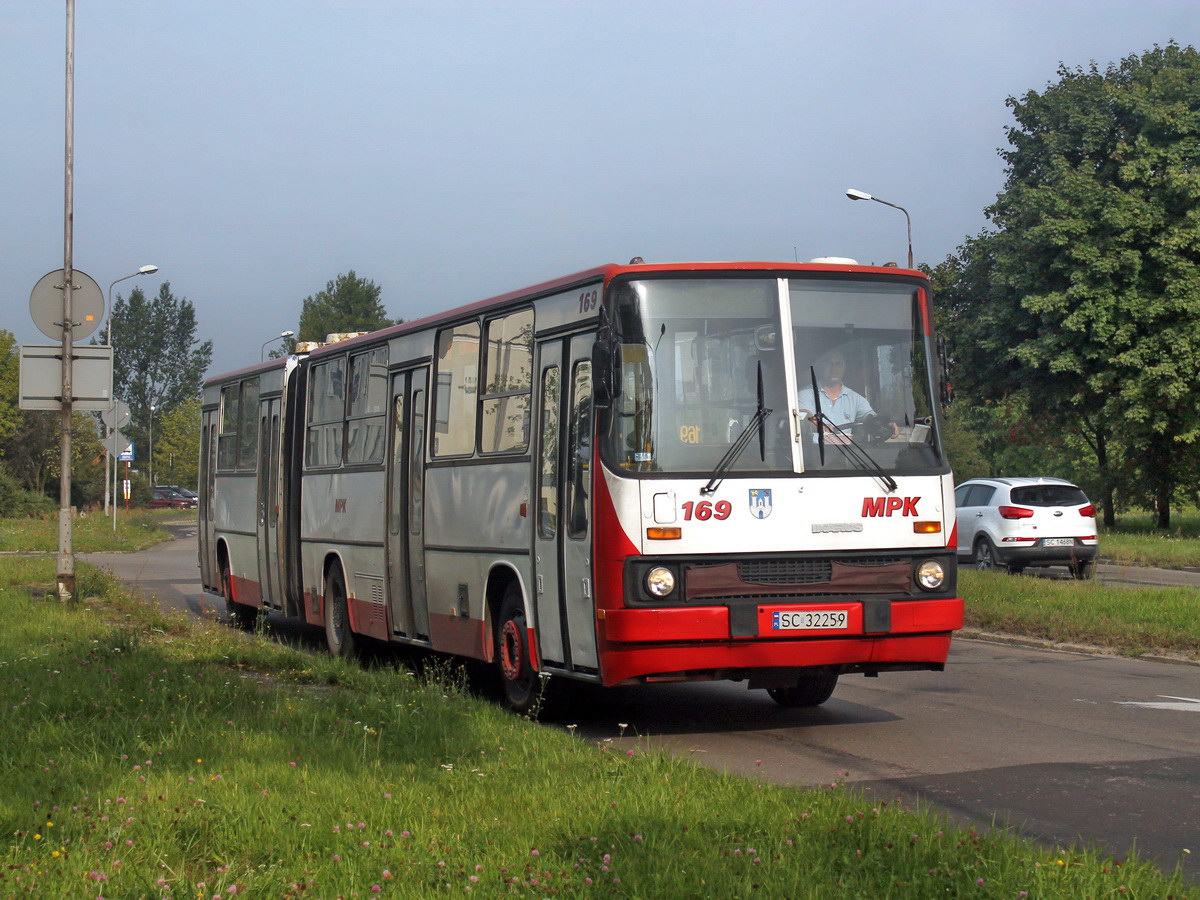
(367, 618)
(459, 635)
(245, 591)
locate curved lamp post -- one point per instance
(283, 335)
(144, 270)
(863, 195)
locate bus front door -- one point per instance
(268, 504)
(564, 607)
(406, 507)
(208, 464)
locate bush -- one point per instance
(16, 501)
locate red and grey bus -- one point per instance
(636, 473)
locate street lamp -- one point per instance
(863, 195)
(283, 335)
(144, 270)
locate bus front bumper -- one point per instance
(664, 644)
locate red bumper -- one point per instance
(641, 642)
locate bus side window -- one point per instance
(548, 482)
(580, 450)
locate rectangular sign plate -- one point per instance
(91, 377)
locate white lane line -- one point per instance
(1187, 704)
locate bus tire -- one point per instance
(339, 638)
(243, 616)
(519, 680)
(813, 688)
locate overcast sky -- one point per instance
(450, 151)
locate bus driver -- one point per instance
(840, 405)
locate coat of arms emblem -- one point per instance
(760, 502)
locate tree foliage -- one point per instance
(157, 359)
(177, 445)
(348, 303)
(10, 377)
(1083, 301)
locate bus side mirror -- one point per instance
(602, 375)
(945, 390)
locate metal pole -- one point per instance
(66, 558)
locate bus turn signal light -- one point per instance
(927, 527)
(661, 533)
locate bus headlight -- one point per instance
(931, 575)
(660, 581)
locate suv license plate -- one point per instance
(834, 619)
(1058, 542)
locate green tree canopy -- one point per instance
(10, 369)
(157, 359)
(348, 303)
(1084, 300)
(177, 444)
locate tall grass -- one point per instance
(90, 533)
(1132, 620)
(149, 756)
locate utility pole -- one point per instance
(66, 557)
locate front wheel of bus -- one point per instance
(240, 614)
(512, 653)
(338, 636)
(812, 689)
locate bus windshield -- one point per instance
(698, 358)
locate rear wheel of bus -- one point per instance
(813, 688)
(512, 653)
(338, 637)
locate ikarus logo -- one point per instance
(760, 502)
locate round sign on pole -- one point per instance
(117, 416)
(46, 304)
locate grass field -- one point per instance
(153, 756)
(1130, 620)
(1149, 548)
(89, 533)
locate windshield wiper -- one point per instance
(850, 448)
(756, 426)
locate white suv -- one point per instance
(1017, 522)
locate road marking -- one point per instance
(1188, 704)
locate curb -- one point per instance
(1018, 640)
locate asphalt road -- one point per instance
(1062, 746)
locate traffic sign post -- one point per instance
(115, 418)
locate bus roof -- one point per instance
(604, 272)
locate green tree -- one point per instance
(1083, 303)
(177, 445)
(10, 370)
(157, 360)
(348, 303)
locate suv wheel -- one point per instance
(1082, 569)
(985, 555)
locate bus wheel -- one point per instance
(512, 653)
(813, 688)
(242, 616)
(338, 636)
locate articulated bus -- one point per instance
(637, 473)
